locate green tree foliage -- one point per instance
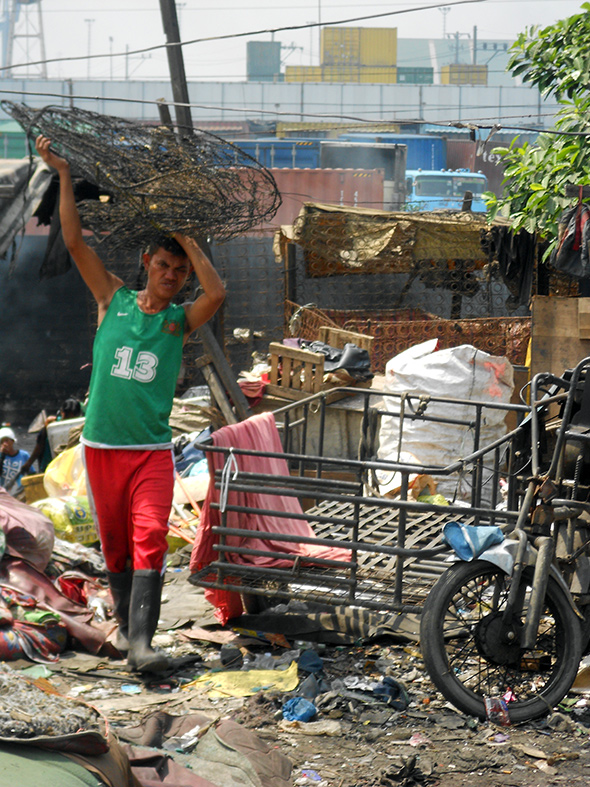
(556, 59)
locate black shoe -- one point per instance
(120, 585)
(144, 611)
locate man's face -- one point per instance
(167, 273)
(7, 446)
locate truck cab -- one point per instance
(444, 189)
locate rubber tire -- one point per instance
(568, 640)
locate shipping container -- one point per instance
(303, 74)
(294, 153)
(415, 75)
(336, 154)
(263, 61)
(340, 46)
(378, 74)
(424, 151)
(464, 74)
(461, 154)
(356, 188)
(391, 159)
(359, 46)
(378, 46)
(342, 73)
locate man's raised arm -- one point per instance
(101, 283)
(213, 295)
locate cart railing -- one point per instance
(396, 547)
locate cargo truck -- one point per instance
(436, 189)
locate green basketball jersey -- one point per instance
(135, 364)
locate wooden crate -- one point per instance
(294, 373)
(297, 373)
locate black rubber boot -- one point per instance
(143, 622)
(120, 585)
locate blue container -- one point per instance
(283, 153)
(424, 152)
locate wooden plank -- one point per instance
(338, 337)
(224, 372)
(274, 369)
(555, 341)
(295, 353)
(583, 318)
(218, 393)
(284, 392)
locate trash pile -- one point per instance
(299, 693)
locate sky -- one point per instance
(116, 29)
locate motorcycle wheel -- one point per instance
(471, 653)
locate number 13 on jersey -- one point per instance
(143, 370)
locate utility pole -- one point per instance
(474, 45)
(214, 358)
(89, 23)
(176, 65)
(444, 9)
(320, 31)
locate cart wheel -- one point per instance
(471, 652)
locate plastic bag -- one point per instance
(65, 474)
(71, 518)
(460, 373)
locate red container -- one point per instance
(358, 188)
(461, 154)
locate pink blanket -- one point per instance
(258, 433)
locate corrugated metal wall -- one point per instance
(218, 101)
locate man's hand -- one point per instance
(49, 157)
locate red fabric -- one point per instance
(132, 495)
(258, 433)
(253, 390)
(73, 588)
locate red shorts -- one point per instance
(131, 493)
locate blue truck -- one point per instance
(435, 189)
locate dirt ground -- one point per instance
(356, 740)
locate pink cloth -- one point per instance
(29, 533)
(258, 433)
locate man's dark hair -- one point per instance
(71, 408)
(168, 244)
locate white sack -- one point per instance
(461, 373)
